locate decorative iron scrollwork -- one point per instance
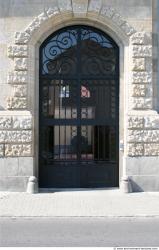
(79, 50)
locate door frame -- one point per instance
(33, 89)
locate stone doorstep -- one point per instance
(68, 203)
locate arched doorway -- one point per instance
(79, 109)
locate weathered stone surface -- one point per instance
(19, 90)
(16, 103)
(17, 51)
(142, 51)
(141, 38)
(65, 5)
(135, 149)
(20, 64)
(127, 29)
(135, 122)
(2, 136)
(141, 103)
(18, 150)
(5, 122)
(151, 149)
(138, 64)
(21, 37)
(1, 150)
(106, 11)
(79, 7)
(135, 136)
(143, 135)
(151, 122)
(117, 19)
(141, 77)
(17, 77)
(139, 90)
(138, 38)
(52, 12)
(22, 122)
(16, 136)
(94, 6)
(36, 23)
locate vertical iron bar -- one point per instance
(98, 141)
(88, 142)
(110, 149)
(70, 140)
(60, 99)
(54, 105)
(79, 95)
(65, 147)
(72, 90)
(93, 141)
(59, 143)
(103, 146)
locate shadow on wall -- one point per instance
(135, 187)
(1, 108)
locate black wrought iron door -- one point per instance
(78, 124)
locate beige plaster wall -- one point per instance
(36, 19)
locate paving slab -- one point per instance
(70, 203)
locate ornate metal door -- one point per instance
(78, 124)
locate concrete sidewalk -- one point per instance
(109, 203)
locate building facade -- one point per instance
(79, 93)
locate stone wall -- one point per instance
(15, 134)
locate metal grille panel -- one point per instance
(79, 109)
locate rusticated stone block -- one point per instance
(141, 103)
(138, 38)
(16, 103)
(135, 122)
(19, 90)
(141, 77)
(79, 7)
(138, 64)
(143, 135)
(1, 150)
(151, 136)
(52, 12)
(139, 90)
(17, 77)
(21, 37)
(117, 19)
(151, 122)
(16, 136)
(20, 64)
(65, 5)
(22, 122)
(107, 11)
(2, 136)
(5, 122)
(19, 136)
(141, 38)
(151, 149)
(135, 149)
(18, 150)
(17, 51)
(135, 136)
(142, 51)
(128, 30)
(36, 23)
